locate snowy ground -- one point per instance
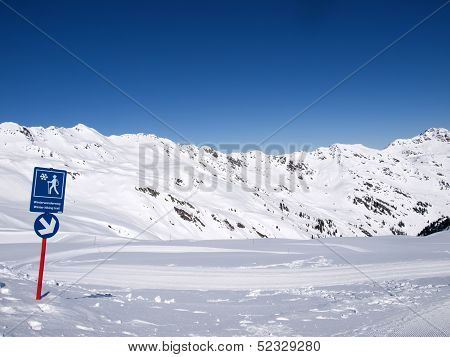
(396, 286)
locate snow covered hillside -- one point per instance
(187, 192)
(144, 247)
(384, 286)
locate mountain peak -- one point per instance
(432, 134)
(81, 127)
(9, 126)
(440, 134)
(9, 129)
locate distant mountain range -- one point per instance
(199, 193)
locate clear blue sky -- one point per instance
(226, 71)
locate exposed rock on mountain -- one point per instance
(439, 225)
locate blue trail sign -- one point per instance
(48, 190)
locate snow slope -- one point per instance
(154, 256)
(383, 286)
(200, 193)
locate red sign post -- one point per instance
(41, 270)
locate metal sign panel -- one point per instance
(48, 190)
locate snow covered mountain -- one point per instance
(124, 185)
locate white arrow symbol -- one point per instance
(48, 228)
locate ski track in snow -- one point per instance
(230, 288)
(185, 278)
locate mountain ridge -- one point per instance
(429, 134)
(340, 190)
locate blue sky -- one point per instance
(226, 71)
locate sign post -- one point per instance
(41, 270)
(47, 196)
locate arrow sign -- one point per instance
(49, 228)
(46, 225)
